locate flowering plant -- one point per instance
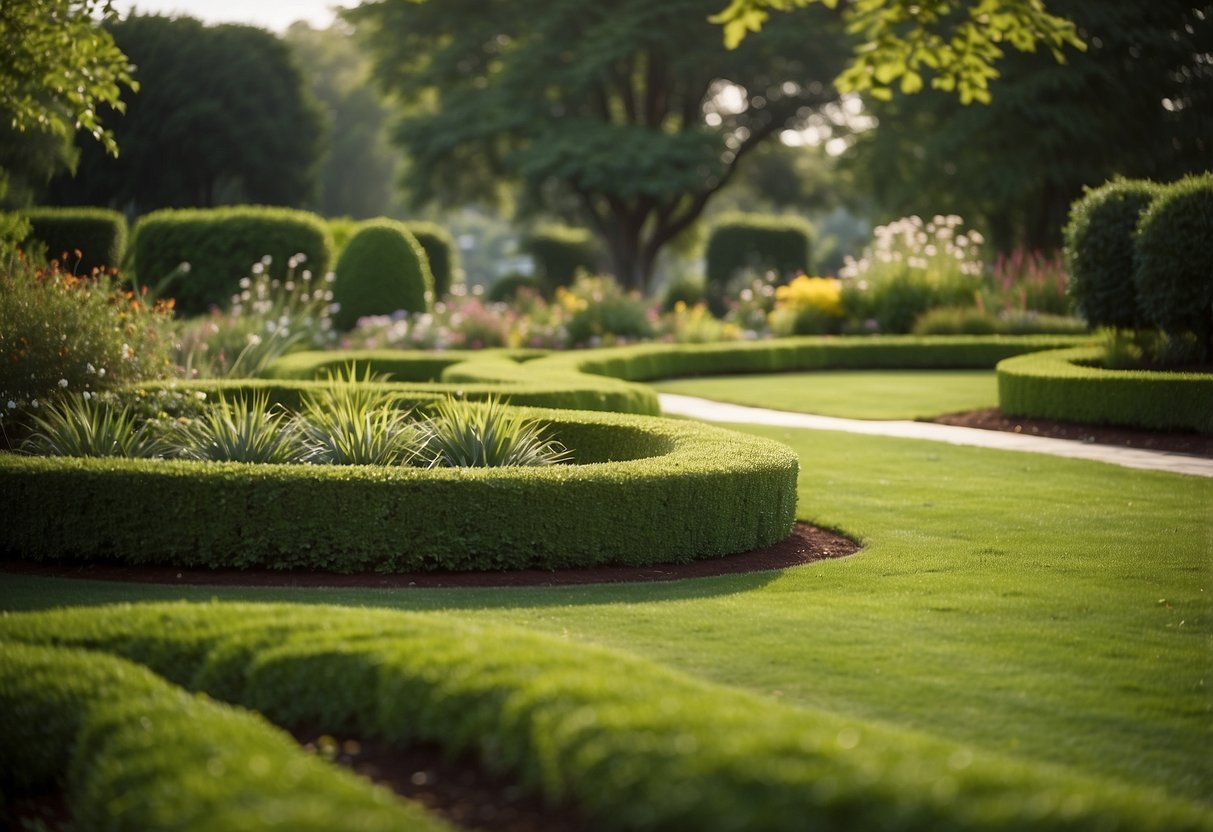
(807, 305)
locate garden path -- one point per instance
(712, 411)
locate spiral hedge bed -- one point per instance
(644, 491)
(633, 745)
(1069, 385)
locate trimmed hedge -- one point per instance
(645, 491)
(1099, 251)
(1069, 385)
(1173, 260)
(381, 270)
(221, 245)
(560, 252)
(400, 365)
(440, 253)
(755, 241)
(99, 234)
(634, 746)
(138, 753)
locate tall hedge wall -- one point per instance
(755, 241)
(98, 234)
(560, 252)
(221, 245)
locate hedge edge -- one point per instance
(636, 746)
(668, 491)
(1065, 384)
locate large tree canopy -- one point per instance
(223, 116)
(633, 109)
(954, 45)
(1139, 103)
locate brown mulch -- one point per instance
(806, 544)
(992, 419)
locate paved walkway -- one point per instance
(710, 411)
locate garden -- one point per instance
(311, 524)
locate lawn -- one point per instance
(872, 394)
(1056, 611)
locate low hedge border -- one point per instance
(139, 753)
(634, 745)
(1067, 385)
(647, 491)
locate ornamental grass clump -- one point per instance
(84, 426)
(242, 430)
(488, 434)
(351, 422)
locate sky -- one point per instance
(275, 15)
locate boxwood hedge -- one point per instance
(98, 234)
(644, 491)
(1069, 385)
(633, 745)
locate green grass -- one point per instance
(869, 394)
(1058, 611)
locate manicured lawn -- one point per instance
(870, 394)
(1057, 611)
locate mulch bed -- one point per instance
(992, 419)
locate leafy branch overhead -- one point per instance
(59, 66)
(904, 43)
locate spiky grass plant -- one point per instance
(243, 430)
(83, 426)
(350, 422)
(487, 434)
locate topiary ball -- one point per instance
(1173, 260)
(1099, 251)
(381, 270)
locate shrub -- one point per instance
(1173, 261)
(341, 229)
(687, 290)
(440, 252)
(82, 239)
(1099, 251)
(381, 270)
(909, 267)
(956, 320)
(754, 242)
(560, 252)
(600, 312)
(220, 244)
(506, 287)
(807, 306)
(1030, 281)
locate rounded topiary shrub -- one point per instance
(381, 270)
(439, 251)
(82, 239)
(1099, 251)
(1173, 261)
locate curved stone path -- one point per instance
(712, 411)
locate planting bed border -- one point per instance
(1066, 385)
(646, 491)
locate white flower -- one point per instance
(200, 395)
(266, 260)
(258, 268)
(12, 405)
(100, 371)
(183, 267)
(87, 395)
(34, 403)
(63, 382)
(90, 367)
(254, 339)
(306, 274)
(245, 283)
(126, 352)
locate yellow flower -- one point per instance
(823, 294)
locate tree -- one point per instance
(953, 44)
(357, 176)
(59, 66)
(634, 111)
(223, 116)
(1138, 103)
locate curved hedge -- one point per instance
(634, 746)
(139, 753)
(645, 491)
(1068, 385)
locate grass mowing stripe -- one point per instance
(870, 394)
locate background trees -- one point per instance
(222, 116)
(632, 115)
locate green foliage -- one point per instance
(506, 287)
(1173, 261)
(1099, 251)
(82, 239)
(382, 269)
(971, 320)
(440, 253)
(351, 421)
(63, 334)
(689, 291)
(665, 491)
(602, 313)
(755, 242)
(223, 117)
(59, 68)
(560, 252)
(631, 744)
(1073, 385)
(908, 42)
(84, 426)
(241, 430)
(488, 434)
(221, 245)
(139, 753)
